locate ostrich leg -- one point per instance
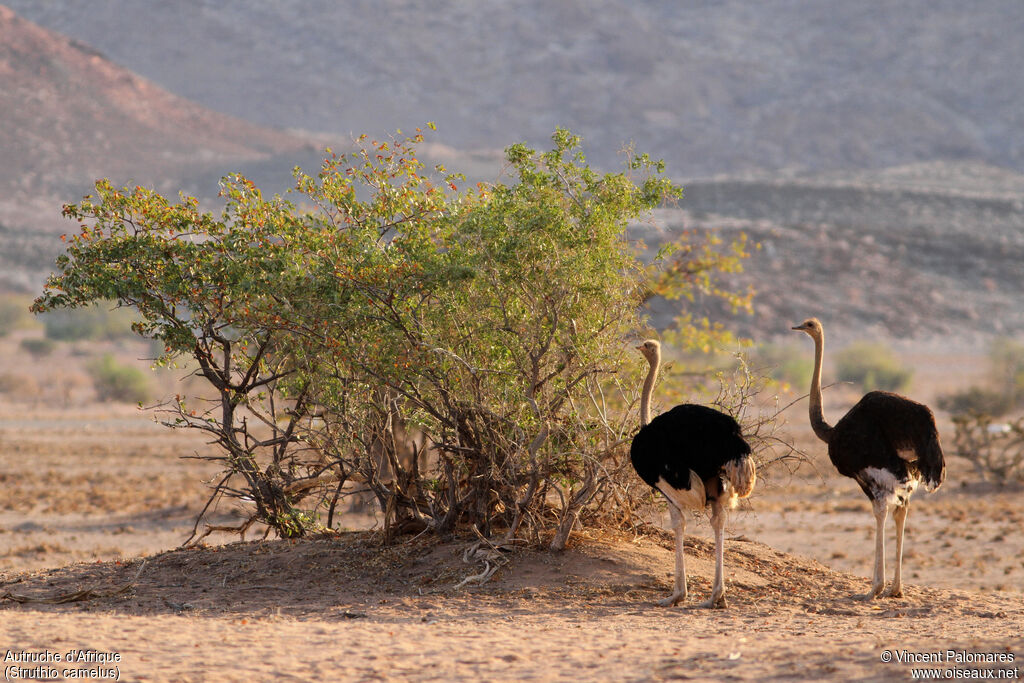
(718, 588)
(900, 517)
(878, 582)
(679, 529)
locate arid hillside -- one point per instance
(928, 252)
(713, 87)
(924, 250)
(71, 116)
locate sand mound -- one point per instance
(316, 575)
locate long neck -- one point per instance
(822, 429)
(645, 396)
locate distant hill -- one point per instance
(919, 252)
(712, 86)
(70, 116)
(868, 147)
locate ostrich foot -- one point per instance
(871, 594)
(715, 602)
(673, 599)
(895, 592)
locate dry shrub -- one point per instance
(70, 385)
(995, 449)
(19, 386)
(1004, 389)
(38, 347)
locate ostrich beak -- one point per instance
(800, 327)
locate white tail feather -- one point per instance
(741, 474)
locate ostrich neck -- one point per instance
(645, 397)
(822, 429)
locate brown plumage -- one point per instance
(889, 445)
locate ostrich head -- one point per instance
(651, 349)
(811, 326)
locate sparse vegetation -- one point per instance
(38, 347)
(783, 363)
(976, 400)
(99, 321)
(995, 449)
(19, 385)
(1006, 359)
(116, 381)
(872, 366)
(1004, 391)
(14, 313)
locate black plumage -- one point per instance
(874, 434)
(695, 456)
(687, 437)
(889, 445)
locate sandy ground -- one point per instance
(345, 609)
(98, 498)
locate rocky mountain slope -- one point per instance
(71, 116)
(712, 86)
(927, 249)
(898, 254)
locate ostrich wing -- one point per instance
(688, 437)
(890, 432)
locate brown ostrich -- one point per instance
(889, 445)
(695, 456)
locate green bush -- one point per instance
(118, 382)
(38, 347)
(14, 314)
(492, 319)
(783, 363)
(93, 323)
(871, 366)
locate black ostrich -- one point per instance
(889, 445)
(695, 456)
